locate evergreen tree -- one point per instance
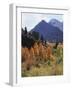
(25, 30)
(56, 45)
(42, 38)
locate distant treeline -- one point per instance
(29, 38)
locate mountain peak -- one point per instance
(48, 31)
(56, 23)
(43, 21)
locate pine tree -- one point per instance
(25, 30)
(42, 38)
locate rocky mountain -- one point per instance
(49, 31)
(56, 23)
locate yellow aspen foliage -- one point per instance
(36, 49)
(32, 52)
(28, 59)
(23, 54)
(32, 55)
(49, 51)
(52, 58)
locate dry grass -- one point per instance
(49, 66)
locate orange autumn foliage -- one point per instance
(29, 56)
(49, 51)
(36, 49)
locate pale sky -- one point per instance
(30, 20)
